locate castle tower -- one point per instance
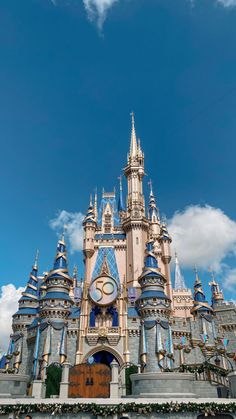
(135, 224)
(121, 206)
(182, 296)
(200, 304)
(153, 215)
(29, 302)
(26, 314)
(154, 308)
(217, 296)
(56, 302)
(165, 242)
(89, 225)
(50, 332)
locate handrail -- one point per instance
(216, 376)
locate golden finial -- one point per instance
(36, 259)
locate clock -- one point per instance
(103, 290)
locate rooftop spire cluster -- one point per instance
(135, 151)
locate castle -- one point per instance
(125, 309)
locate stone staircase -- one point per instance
(205, 389)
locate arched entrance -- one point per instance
(103, 357)
(92, 378)
(107, 349)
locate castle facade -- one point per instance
(125, 308)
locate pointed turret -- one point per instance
(200, 304)
(31, 291)
(74, 284)
(182, 298)
(179, 279)
(90, 216)
(121, 207)
(96, 206)
(28, 303)
(154, 308)
(133, 141)
(89, 225)
(153, 215)
(56, 302)
(165, 242)
(217, 296)
(152, 281)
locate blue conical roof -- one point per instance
(150, 264)
(60, 266)
(200, 303)
(151, 280)
(90, 216)
(150, 261)
(152, 209)
(32, 289)
(58, 289)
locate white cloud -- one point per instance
(74, 230)
(227, 3)
(229, 279)
(9, 297)
(224, 3)
(203, 235)
(97, 10)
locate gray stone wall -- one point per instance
(152, 362)
(134, 348)
(71, 348)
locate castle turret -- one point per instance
(153, 215)
(182, 296)
(56, 303)
(121, 206)
(217, 296)
(89, 225)
(165, 242)
(200, 304)
(29, 302)
(154, 308)
(25, 316)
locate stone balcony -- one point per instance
(111, 334)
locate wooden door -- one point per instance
(89, 381)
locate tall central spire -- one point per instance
(134, 173)
(137, 234)
(133, 141)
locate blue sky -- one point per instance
(67, 89)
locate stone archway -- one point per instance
(105, 348)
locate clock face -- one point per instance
(103, 290)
